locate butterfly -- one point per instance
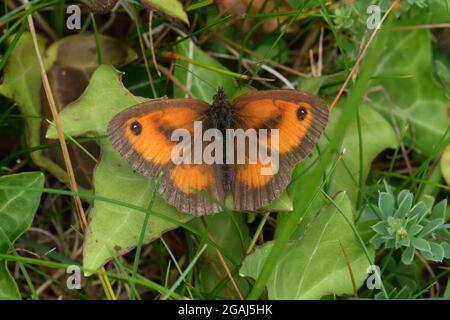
(144, 135)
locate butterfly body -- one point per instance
(286, 124)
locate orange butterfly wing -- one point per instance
(300, 119)
(142, 135)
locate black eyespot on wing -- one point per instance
(301, 113)
(136, 128)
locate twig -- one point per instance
(311, 61)
(423, 26)
(270, 70)
(350, 270)
(54, 111)
(320, 59)
(150, 36)
(259, 56)
(177, 82)
(190, 67)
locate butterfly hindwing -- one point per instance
(300, 119)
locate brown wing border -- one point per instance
(246, 199)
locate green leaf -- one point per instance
(17, 209)
(440, 11)
(378, 241)
(381, 228)
(428, 255)
(204, 82)
(377, 135)
(419, 210)
(386, 203)
(440, 211)
(416, 99)
(265, 49)
(408, 255)
(421, 244)
(104, 97)
(172, 8)
(443, 75)
(430, 227)
(114, 229)
(438, 251)
(446, 247)
(404, 242)
(414, 229)
(314, 265)
(405, 201)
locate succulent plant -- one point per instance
(408, 226)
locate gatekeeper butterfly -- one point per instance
(144, 136)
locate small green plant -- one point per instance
(411, 226)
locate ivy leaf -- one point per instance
(114, 229)
(17, 209)
(407, 90)
(314, 265)
(376, 135)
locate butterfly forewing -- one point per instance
(298, 118)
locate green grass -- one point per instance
(191, 258)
